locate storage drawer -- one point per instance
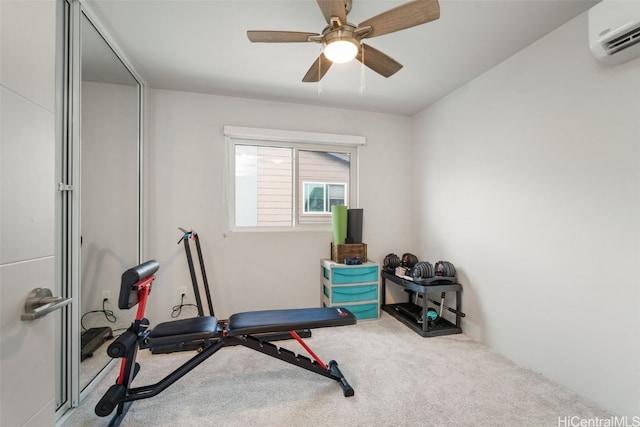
(364, 311)
(361, 311)
(351, 293)
(354, 275)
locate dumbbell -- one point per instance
(409, 260)
(422, 270)
(391, 261)
(445, 269)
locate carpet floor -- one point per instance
(399, 377)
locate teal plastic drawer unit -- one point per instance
(355, 287)
(354, 275)
(352, 293)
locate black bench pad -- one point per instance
(255, 322)
(183, 334)
(197, 326)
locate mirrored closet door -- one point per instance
(109, 194)
(101, 216)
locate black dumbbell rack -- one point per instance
(415, 315)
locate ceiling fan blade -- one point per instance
(331, 8)
(317, 70)
(379, 62)
(278, 36)
(404, 16)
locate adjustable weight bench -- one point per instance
(209, 336)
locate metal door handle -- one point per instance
(41, 302)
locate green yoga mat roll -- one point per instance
(339, 223)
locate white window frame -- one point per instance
(298, 140)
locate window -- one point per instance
(319, 197)
(285, 180)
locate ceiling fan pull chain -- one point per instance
(363, 84)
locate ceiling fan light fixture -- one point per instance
(341, 50)
(342, 41)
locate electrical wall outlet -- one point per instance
(183, 291)
(106, 295)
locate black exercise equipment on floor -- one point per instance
(186, 237)
(421, 279)
(92, 339)
(210, 336)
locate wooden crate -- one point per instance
(348, 250)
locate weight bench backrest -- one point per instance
(128, 290)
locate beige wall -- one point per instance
(109, 196)
(256, 270)
(529, 182)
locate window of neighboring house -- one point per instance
(318, 197)
(285, 180)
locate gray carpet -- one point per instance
(400, 379)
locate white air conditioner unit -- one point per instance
(614, 30)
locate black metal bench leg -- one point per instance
(346, 387)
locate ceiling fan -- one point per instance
(343, 41)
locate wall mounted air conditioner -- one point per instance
(614, 30)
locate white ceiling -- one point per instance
(201, 46)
